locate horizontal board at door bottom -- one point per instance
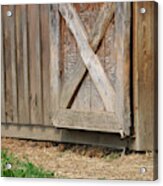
(91, 121)
(49, 133)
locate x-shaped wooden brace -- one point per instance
(87, 52)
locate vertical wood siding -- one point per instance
(9, 40)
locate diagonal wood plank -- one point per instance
(90, 60)
(97, 34)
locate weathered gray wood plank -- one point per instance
(49, 133)
(90, 59)
(10, 65)
(45, 58)
(22, 64)
(95, 37)
(54, 24)
(122, 58)
(94, 121)
(36, 114)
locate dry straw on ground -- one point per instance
(81, 161)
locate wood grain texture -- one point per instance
(86, 97)
(10, 65)
(82, 95)
(69, 60)
(101, 24)
(45, 61)
(95, 69)
(49, 133)
(35, 65)
(145, 75)
(97, 22)
(3, 114)
(94, 121)
(122, 58)
(26, 63)
(95, 36)
(22, 64)
(54, 29)
(110, 62)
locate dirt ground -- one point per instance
(81, 161)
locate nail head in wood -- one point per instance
(9, 13)
(142, 10)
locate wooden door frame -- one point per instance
(145, 76)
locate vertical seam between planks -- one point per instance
(41, 64)
(16, 83)
(3, 61)
(28, 58)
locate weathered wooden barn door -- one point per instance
(91, 55)
(67, 65)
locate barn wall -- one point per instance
(25, 64)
